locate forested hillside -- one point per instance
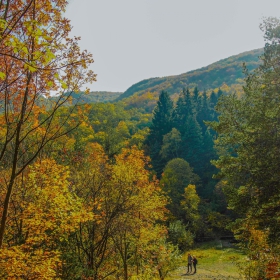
(95, 97)
(227, 71)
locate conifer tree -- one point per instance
(184, 108)
(178, 112)
(208, 153)
(192, 144)
(213, 100)
(195, 99)
(204, 112)
(219, 94)
(248, 143)
(161, 125)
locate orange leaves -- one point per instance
(273, 270)
(19, 263)
(263, 256)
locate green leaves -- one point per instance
(248, 143)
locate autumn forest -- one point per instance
(100, 185)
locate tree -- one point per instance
(161, 125)
(195, 96)
(183, 110)
(204, 113)
(142, 204)
(37, 57)
(44, 211)
(190, 206)
(179, 235)
(171, 145)
(248, 144)
(213, 100)
(176, 176)
(192, 144)
(127, 203)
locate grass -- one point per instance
(217, 260)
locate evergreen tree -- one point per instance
(219, 94)
(192, 144)
(204, 113)
(178, 115)
(213, 100)
(248, 142)
(195, 99)
(161, 125)
(183, 109)
(208, 154)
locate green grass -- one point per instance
(215, 259)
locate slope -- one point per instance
(226, 71)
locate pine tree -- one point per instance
(161, 125)
(183, 109)
(204, 113)
(195, 100)
(248, 142)
(208, 153)
(192, 144)
(213, 100)
(219, 94)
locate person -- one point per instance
(189, 263)
(194, 261)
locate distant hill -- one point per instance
(227, 71)
(96, 97)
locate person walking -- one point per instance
(190, 259)
(194, 261)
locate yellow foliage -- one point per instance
(43, 212)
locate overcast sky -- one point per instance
(132, 40)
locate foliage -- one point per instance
(177, 234)
(43, 212)
(95, 97)
(161, 125)
(190, 206)
(171, 145)
(38, 57)
(176, 177)
(248, 143)
(127, 203)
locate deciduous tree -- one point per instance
(37, 58)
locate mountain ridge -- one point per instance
(225, 71)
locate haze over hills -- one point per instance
(227, 71)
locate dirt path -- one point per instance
(202, 274)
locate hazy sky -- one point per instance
(132, 40)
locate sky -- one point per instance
(133, 40)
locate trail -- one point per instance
(202, 274)
(216, 261)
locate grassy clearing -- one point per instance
(216, 260)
